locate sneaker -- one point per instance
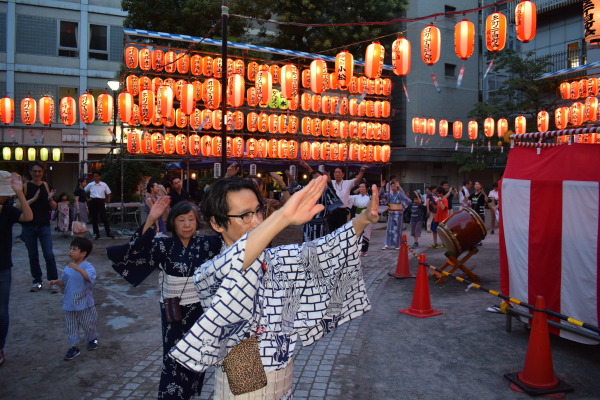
(433, 246)
(54, 289)
(415, 245)
(2, 357)
(384, 248)
(440, 246)
(92, 345)
(72, 353)
(36, 287)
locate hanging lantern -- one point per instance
(326, 127)
(582, 88)
(261, 148)
(237, 147)
(495, 32)
(263, 122)
(216, 119)
(386, 86)
(125, 106)
(315, 151)
(543, 121)
(169, 120)
(196, 65)
(218, 67)
(195, 119)
(133, 141)
(430, 44)
(169, 143)
(401, 56)
(362, 155)
(344, 69)
(31, 154)
(488, 127)
(145, 59)
(590, 109)
(576, 115)
(293, 125)
(146, 143)
(158, 60)
(146, 107)
(457, 129)
(56, 155)
(326, 104)
(236, 90)
(374, 60)
(164, 101)
(591, 26)
(207, 66)
(464, 39)
(238, 120)
(188, 101)
(283, 148)
(7, 110)
(170, 62)
(574, 90)
(502, 127)
(44, 154)
(132, 84)
(315, 124)
(211, 93)
(430, 127)
(19, 154)
(181, 120)
(289, 81)
(87, 108)
(194, 144)
(46, 110)
(179, 88)
(135, 116)
(472, 128)
(105, 108)
(252, 121)
(183, 63)
(385, 132)
(307, 125)
(252, 70)
(67, 110)
(153, 85)
(525, 20)
(565, 90)
(292, 149)
(520, 125)
(264, 86)
(318, 71)
(416, 125)
(443, 128)
(131, 57)
(239, 67)
(275, 73)
(157, 143)
(273, 148)
(592, 86)
(251, 145)
(561, 117)
(273, 123)
(315, 103)
(282, 124)
(181, 144)
(6, 153)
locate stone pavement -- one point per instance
(461, 354)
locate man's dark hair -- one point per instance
(182, 207)
(466, 181)
(94, 172)
(81, 180)
(151, 183)
(36, 163)
(215, 206)
(441, 191)
(442, 183)
(172, 178)
(83, 244)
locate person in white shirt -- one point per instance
(464, 194)
(494, 205)
(99, 197)
(342, 188)
(361, 201)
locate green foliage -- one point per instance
(481, 158)
(133, 172)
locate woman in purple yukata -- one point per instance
(282, 294)
(177, 258)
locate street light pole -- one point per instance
(115, 85)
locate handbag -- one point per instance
(79, 227)
(244, 368)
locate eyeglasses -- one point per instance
(248, 216)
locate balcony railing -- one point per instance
(565, 59)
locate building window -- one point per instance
(450, 70)
(69, 32)
(99, 42)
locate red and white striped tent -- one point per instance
(549, 230)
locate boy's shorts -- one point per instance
(415, 229)
(434, 226)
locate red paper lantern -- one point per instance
(292, 127)
(525, 20)
(207, 66)
(273, 148)
(87, 108)
(7, 110)
(430, 44)
(236, 90)
(374, 60)
(561, 117)
(183, 63)
(582, 88)
(135, 116)
(263, 122)
(104, 108)
(315, 151)
(576, 113)
(169, 143)
(592, 86)
(502, 127)
(164, 101)
(488, 127)
(401, 56)
(443, 128)
(251, 145)
(520, 124)
(170, 62)
(197, 91)
(206, 144)
(261, 148)
(251, 98)
(543, 121)
(416, 125)
(275, 73)
(217, 67)
(133, 141)
(457, 129)
(574, 90)
(273, 123)
(385, 131)
(238, 120)
(158, 143)
(145, 59)
(565, 90)
(196, 65)
(155, 83)
(188, 101)
(590, 109)
(344, 68)
(211, 93)
(181, 120)
(282, 124)
(196, 119)
(67, 110)
(283, 148)
(217, 146)
(252, 121)
(181, 144)
(46, 110)
(132, 84)
(464, 39)
(289, 81)
(131, 55)
(169, 119)
(252, 70)
(430, 128)
(353, 129)
(315, 103)
(318, 75)
(158, 60)
(194, 144)
(292, 149)
(237, 147)
(315, 124)
(386, 152)
(495, 32)
(146, 107)
(306, 125)
(472, 129)
(216, 119)
(146, 143)
(264, 85)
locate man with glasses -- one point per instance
(282, 294)
(40, 197)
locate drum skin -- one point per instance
(462, 231)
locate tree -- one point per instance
(320, 39)
(133, 172)
(520, 94)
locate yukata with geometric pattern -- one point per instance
(136, 260)
(294, 292)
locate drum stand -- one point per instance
(455, 264)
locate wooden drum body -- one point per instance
(462, 231)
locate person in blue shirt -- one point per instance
(78, 300)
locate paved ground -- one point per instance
(461, 354)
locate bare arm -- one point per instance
(17, 186)
(360, 175)
(369, 215)
(156, 212)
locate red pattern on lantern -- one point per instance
(525, 20)
(211, 93)
(158, 60)
(181, 144)
(87, 108)
(67, 110)
(146, 106)
(132, 84)
(464, 39)
(472, 129)
(130, 56)
(543, 121)
(169, 143)
(401, 52)
(430, 44)
(520, 124)
(145, 59)
(7, 110)
(374, 60)
(194, 144)
(495, 32)
(133, 142)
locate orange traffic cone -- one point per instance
(421, 304)
(537, 377)
(402, 267)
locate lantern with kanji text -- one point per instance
(430, 126)
(344, 68)
(145, 59)
(520, 124)
(132, 84)
(590, 108)
(237, 147)
(543, 121)
(211, 93)
(196, 65)
(576, 115)
(472, 129)
(502, 126)
(133, 141)
(374, 60)
(430, 44)
(181, 144)
(158, 60)
(183, 63)
(561, 117)
(264, 85)
(68, 114)
(157, 143)
(146, 142)
(194, 144)
(181, 120)
(131, 54)
(525, 20)
(146, 106)
(169, 143)
(495, 32)
(170, 62)
(488, 127)
(457, 129)
(207, 66)
(188, 102)
(46, 110)
(87, 108)
(443, 128)
(318, 73)
(236, 90)
(401, 56)
(316, 126)
(105, 108)
(263, 122)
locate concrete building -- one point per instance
(59, 48)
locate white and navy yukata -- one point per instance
(136, 260)
(295, 292)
